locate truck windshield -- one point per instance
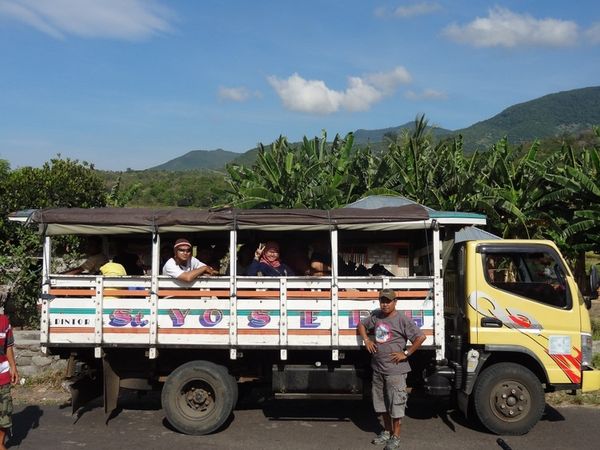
(535, 275)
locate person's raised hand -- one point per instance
(259, 251)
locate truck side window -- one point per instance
(535, 275)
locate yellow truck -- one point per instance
(504, 319)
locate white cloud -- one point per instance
(115, 19)
(504, 28)
(314, 97)
(360, 95)
(387, 81)
(234, 94)
(404, 12)
(426, 94)
(311, 96)
(593, 33)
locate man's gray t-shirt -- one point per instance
(391, 335)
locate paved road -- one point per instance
(289, 425)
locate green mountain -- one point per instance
(246, 158)
(552, 115)
(199, 159)
(363, 137)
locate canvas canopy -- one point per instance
(375, 213)
(55, 221)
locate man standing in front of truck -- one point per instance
(392, 331)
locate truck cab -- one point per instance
(522, 330)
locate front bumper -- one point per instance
(590, 380)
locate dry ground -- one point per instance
(39, 395)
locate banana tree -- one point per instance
(312, 174)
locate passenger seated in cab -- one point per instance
(266, 262)
(183, 265)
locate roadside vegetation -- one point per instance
(528, 191)
(596, 329)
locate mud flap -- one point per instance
(83, 390)
(111, 389)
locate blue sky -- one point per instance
(135, 83)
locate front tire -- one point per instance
(198, 397)
(508, 399)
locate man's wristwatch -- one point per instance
(406, 353)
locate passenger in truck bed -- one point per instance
(129, 260)
(266, 262)
(95, 258)
(183, 265)
(320, 259)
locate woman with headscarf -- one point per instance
(267, 263)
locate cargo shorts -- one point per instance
(389, 394)
(6, 407)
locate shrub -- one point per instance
(596, 329)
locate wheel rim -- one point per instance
(510, 400)
(196, 399)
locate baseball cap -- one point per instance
(182, 243)
(389, 294)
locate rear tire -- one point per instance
(198, 397)
(508, 399)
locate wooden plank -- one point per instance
(193, 331)
(73, 292)
(192, 293)
(258, 294)
(71, 330)
(249, 331)
(308, 294)
(375, 294)
(126, 330)
(313, 331)
(115, 292)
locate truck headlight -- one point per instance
(586, 350)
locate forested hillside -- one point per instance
(199, 188)
(558, 115)
(555, 115)
(199, 159)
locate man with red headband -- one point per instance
(266, 262)
(183, 265)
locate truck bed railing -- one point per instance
(273, 312)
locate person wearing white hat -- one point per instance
(183, 265)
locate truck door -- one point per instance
(524, 303)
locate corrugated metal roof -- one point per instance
(473, 234)
(382, 201)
